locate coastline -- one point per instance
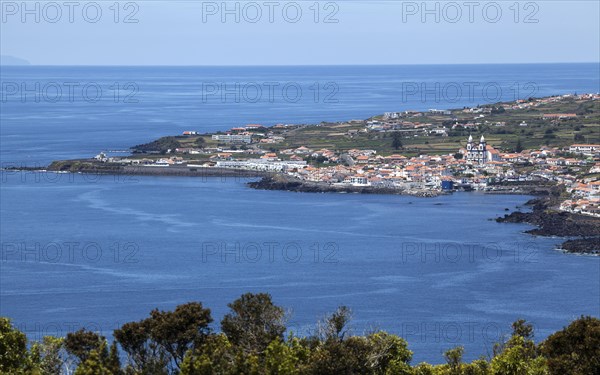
(357, 159)
(548, 221)
(289, 183)
(581, 232)
(92, 166)
(268, 180)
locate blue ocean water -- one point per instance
(82, 110)
(87, 251)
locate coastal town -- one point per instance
(474, 164)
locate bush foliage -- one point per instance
(253, 340)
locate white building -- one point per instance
(263, 165)
(584, 149)
(482, 153)
(476, 154)
(357, 181)
(233, 138)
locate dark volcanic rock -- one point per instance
(550, 222)
(287, 183)
(582, 246)
(555, 223)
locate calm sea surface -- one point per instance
(82, 251)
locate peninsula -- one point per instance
(548, 147)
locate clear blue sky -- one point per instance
(367, 32)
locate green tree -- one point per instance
(254, 322)
(518, 355)
(286, 357)
(574, 350)
(13, 348)
(82, 342)
(280, 359)
(334, 351)
(47, 356)
(335, 326)
(519, 146)
(388, 354)
(180, 330)
(396, 141)
(215, 356)
(332, 356)
(424, 368)
(199, 142)
(113, 362)
(518, 358)
(92, 365)
(523, 329)
(477, 367)
(143, 354)
(454, 359)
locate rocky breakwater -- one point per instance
(91, 166)
(289, 183)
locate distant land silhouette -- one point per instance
(11, 60)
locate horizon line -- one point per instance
(294, 65)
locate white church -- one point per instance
(481, 153)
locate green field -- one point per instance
(341, 137)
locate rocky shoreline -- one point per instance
(287, 183)
(551, 222)
(582, 246)
(93, 167)
(537, 189)
(584, 230)
(268, 180)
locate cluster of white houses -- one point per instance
(262, 164)
(480, 165)
(584, 149)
